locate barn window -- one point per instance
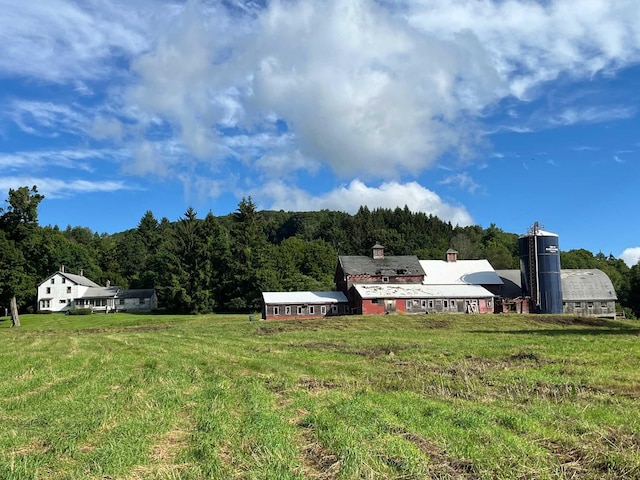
(408, 303)
(299, 310)
(374, 300)
(423, 304)
(312, 310)
(323, 309)
(276, 310)
(445, 303)
(385, 279)
(577, 304)
(452, 303)
(430, 303)
(589, 304)
(604, 305)
(287, 310)
(334, 309)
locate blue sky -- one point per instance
(479, 112)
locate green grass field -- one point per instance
(398, 397)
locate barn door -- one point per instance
(389, 306)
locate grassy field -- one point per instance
(399, 397)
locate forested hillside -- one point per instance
(206, 263)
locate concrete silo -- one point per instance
(540, 269)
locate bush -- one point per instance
(80, 311)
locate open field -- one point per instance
(154, 397)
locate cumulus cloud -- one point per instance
(631, 256)
(349, 198)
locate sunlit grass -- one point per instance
(195, 397)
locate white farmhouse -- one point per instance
(64, 291)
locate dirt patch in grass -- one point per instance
(373, 351)
(314, 385)
(310, 325)
(434, 323)
(442, 466)
(317, 461)
(142, 328)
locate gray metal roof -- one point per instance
(303, 297)
(100, 292)
(387, 266)
(421, 291)
(136, 293)
(589, 284)
(77, 279)
(576, 284)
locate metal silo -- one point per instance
(540, 269)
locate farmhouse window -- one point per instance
(141, 301)
(287, 310)
(62, 300)
(276, 310)
(64, 280)
(590, 304)
(122, 301)
(312, 310)
(68, 289)
(603, 305)
(323, 309)
(48, 289)
(408, 303)
(577, 304)
(53, 280)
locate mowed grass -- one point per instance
(399, 397)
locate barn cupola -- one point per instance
(452, 255)
(377, 251)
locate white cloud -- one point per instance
(57, 188)
(462, 180)
(77, 159)
(279, 195)
(631, 256)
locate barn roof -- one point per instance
(387, 266)
(466, 272)
(421, 291)
(589, 284)
(576, 284)
(303, 297)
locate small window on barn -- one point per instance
(423, 304)
(374, 300)
(445, 303)
(589, 304)
(299, 310)
(452, 303)
(323, 309)
(577, 304)
(408, 303)
(287, 310)
(430, 303)
(276, 310)
(312, 310)
(385, 279)
(604, 305)
(334, 309)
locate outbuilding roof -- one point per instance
(272, 298)
(100, 292)
(461, 272)
(388, 266)
(367, 291)
(137, 293)
(589, 284)
(576, 284)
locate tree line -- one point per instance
(223, 263)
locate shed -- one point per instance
(284, 305)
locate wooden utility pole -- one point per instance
(15, 318)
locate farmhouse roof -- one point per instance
(590, 284)
(421, 291)
(461, 272)
(77, 279)
(137, 293)
(303, 297)
(100, 292)
(387, 266)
